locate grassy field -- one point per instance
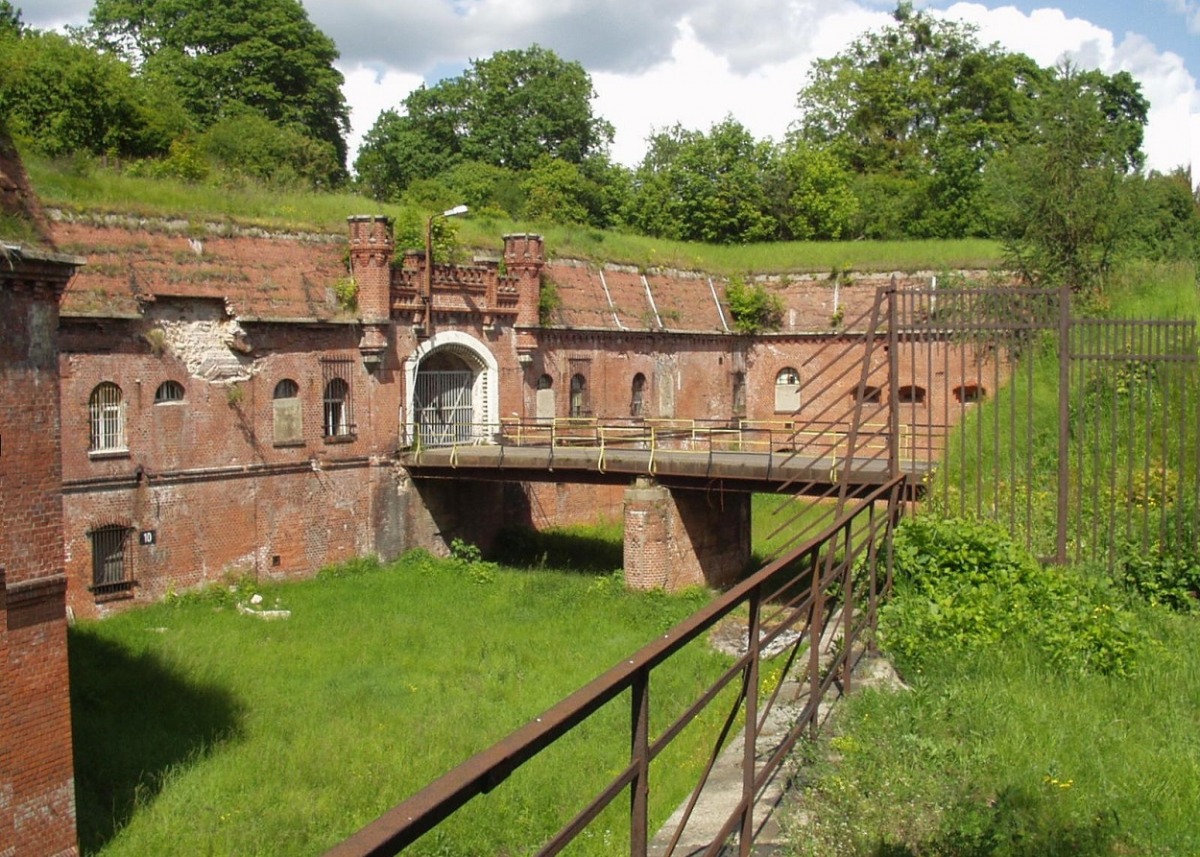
(93, 189)
(202, 731)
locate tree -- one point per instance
(61, 97)
(507, 111)
(10, 19)
(1059, 196)
(693, 186)
(816, 196)
(924, 103)
(233, 58)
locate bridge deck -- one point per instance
(744, 471)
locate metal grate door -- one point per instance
(444, 407)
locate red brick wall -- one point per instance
(37, 798)
(206, 475)
(677, 539)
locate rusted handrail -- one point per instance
(830, 556)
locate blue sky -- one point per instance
(696, 62)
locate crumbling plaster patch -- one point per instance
(205, 338)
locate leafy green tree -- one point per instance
(924, 102)
(817, 200)
(557, 191)
(1166, 225)
(1060, 197)
(62, 97)
(253, 146)
(713, 187)
(507, 111)
(232, 58)
(10, 19)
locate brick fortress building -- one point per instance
(224, 412)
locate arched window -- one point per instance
(168, 391)
(338, 421)
(637, 403)
(107, 411)
(286, 410)
(910, 394)
(787, 390)
(545, 382)
(578, 396)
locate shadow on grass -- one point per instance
(135, 719)
(1016, 823)
(523, 547)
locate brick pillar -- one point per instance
(371, 248)
(37, 789)
(524, 257)
(676, 539)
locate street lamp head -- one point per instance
(452, 212)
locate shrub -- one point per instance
(962, 585)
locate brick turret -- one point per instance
(371, 248)
(524, 258)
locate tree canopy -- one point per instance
(234, 58)
(508, 111)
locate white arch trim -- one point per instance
(486, 388)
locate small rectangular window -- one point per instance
(111, 572)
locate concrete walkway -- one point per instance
(724, 787)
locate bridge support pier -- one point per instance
(680, 538)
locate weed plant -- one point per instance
(200, 730)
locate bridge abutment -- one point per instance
(680, 538)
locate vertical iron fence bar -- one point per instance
(749, 751)
(1064, 436)
(1114, 434)
(847, 606)
(873, 579)
(639, 750)
(893, 383)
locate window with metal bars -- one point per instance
(339, 398)
(111, 571)
(107, 412)
(579, 406)
(168, 391)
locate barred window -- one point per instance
(910, 394)
(287, 413)
(578, 396)
(111, 570)
(339, 398)
(168, 391)
(107, 412)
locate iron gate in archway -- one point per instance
(443, 404)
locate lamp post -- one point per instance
(450, 212)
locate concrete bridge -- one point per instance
(687, 508)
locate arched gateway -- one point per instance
(452, 384)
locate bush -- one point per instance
(962, 585)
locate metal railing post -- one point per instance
(749, 753)
(639, 751)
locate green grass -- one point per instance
(96, 189)
(998, 754)
(202, 731)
